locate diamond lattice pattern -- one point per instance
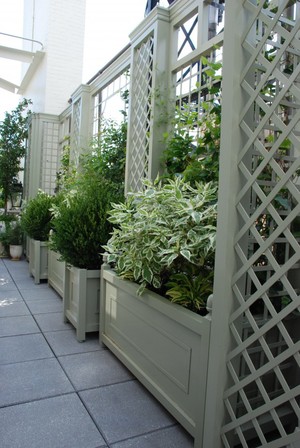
(263, 399)
(139, 144)
(76, 132)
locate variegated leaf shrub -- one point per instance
(164, 239)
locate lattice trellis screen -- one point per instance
(76, 132)
(50, 156)
(27, 166)
(263, 400)
(141, 86)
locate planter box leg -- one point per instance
(37, 258)
(80, 330)
(66, 294)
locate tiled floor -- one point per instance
(59, 393)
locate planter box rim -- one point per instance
(41, 243)
(90, 272)
(183, 315)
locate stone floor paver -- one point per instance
(56, 392)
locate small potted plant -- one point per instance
(36, 222)
(5, 222)
(80, 228)
(15, 237)
(154, 295)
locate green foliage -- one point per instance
(163, 233)
(13, 234)
(13, 134)
(36, 216)
(66, 175)
(192, 150)
(80, 222)
(6, 221)
(191, 291)
(108, 154)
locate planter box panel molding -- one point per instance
(38, 260)
(81, 300)
(56, 272)
(164, 345)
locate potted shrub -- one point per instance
(80, 227)
(36, 222)
(153, 301)
(15, 237)
(5, 222)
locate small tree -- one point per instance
(13, 134)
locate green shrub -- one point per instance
(80, 223)
(6, 222)
(13, 234)
(37, 215)
(16, 235)
(107, 156)
(165, 239)
(192, 149)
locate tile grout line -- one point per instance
(75, 391)
(56, 357)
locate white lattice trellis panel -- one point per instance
(76, 132)
(264, 364)
(50, 156)
(140, 114)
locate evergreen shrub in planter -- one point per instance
(37, 215)
(36, 222)
(80, 227)
(163, 243)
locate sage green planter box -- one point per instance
(81, 300)
(38, 260)
(56, 272)
(164, 345)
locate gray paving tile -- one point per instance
(25, 284)
(174, 437)
(6, 283)
(46, 305)
(3, 270)
(52, 322)
(32, 380)
(125, 410)
(13, 307)
(23, 348)
(14, 267)
(59, 422)
(17, 325)
(94, 369)
(39, 292)
(20, 274)
(65, 342)
(11, 295)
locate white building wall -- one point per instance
(59, 25)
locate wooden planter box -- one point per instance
(81, 300)
(38, 260)
(164, 345)
(56, 272)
